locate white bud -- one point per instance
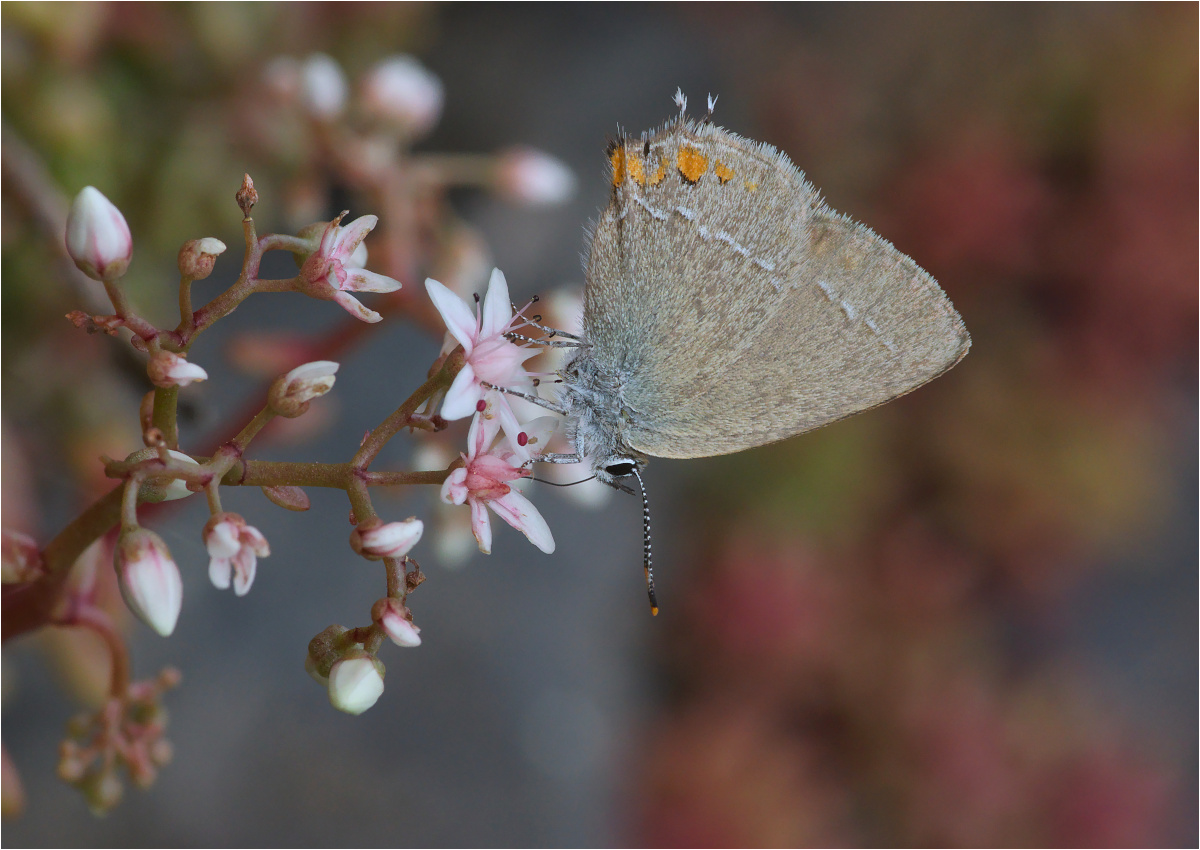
(98, 238)
(197, 257)
(528, 176)
(392, 617)
(168, 369)
(149, 579)
(156, 491)
(355, 682)
(402, 91)
(386, 540)
(322, 87)
(290, 394)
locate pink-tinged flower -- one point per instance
(322, 87)
(396, 622)
(529, 176)
(149, 579)
(402, 91)
(290, 394)
(233, 550)
(492, 358)
(334, 270)
(483, 483)
(168, 369)
(98, 238)
(376, 540)
(355, 682)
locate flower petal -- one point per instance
(454, 488)
(520, 513)
(455, 313)
(361, 280)
(355, 308)
(481, 527)
(220, 571)
(352, 235)
(497, 306)
(463, 396)
(245, 564)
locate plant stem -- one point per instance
(29, 606)
(166, 400)
(399, 418)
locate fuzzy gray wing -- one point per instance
(737, 309)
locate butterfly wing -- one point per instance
(736, 309)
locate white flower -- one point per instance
(529, 176)
(290, 394)
(168, 369)
(394, 619)
(98, 238)
(492, 358)
(484, 483)
(322, 87)
(149, 579)
(331, 272)
(400, 90)
(233, 550)
(376, 540)
(355, 682)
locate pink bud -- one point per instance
(394, 619)
(355, 682)
(402, 91)
(528, 176)
(149, 579)
(233, 550)
(98, 238)
(168, 369)
(386, 540)
(290, 394)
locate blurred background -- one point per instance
(966, 618)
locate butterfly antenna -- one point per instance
(647, 562)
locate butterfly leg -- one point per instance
(540, 402)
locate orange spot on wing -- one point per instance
(618, 166)
(724, 172)
(658, 175)
(692, 164)
(750, 187)
(637, 172)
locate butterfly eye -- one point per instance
(621, 468)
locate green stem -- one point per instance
(166, 401)
(185, 305)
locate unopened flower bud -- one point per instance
(323, 652)
(197, 257)
(403, 92)
(529, 176)
(102, 791)
(149, 579)
(168, 369)
(396, 622)
(98, 238)
(356, 682)
(290, 394)
(322, 87)
(20, 557)
(376, 540)
(158, 491)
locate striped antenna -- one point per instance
(647, 562)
